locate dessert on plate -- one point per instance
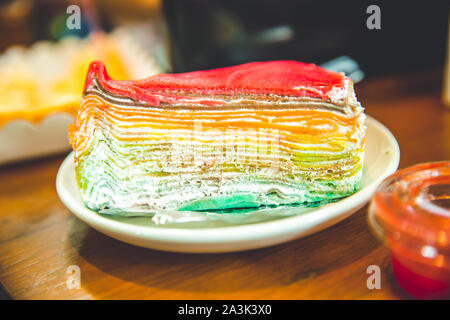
(260, 134)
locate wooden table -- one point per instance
(40, 239)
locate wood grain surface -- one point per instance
(40, 239)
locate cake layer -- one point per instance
(218, 139)
(274, 80)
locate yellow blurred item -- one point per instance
(49, 77)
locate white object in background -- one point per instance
(381, 159)
(21, 139)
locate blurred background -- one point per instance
(201, 34)
(47, 45)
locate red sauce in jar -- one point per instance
(410, 211)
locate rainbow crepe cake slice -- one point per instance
(260, 134)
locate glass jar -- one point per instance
(410, 213)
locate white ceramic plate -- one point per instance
(381, 159)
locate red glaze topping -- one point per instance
(284, 78)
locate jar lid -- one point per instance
(410, 212)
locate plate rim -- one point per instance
(290, 227)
